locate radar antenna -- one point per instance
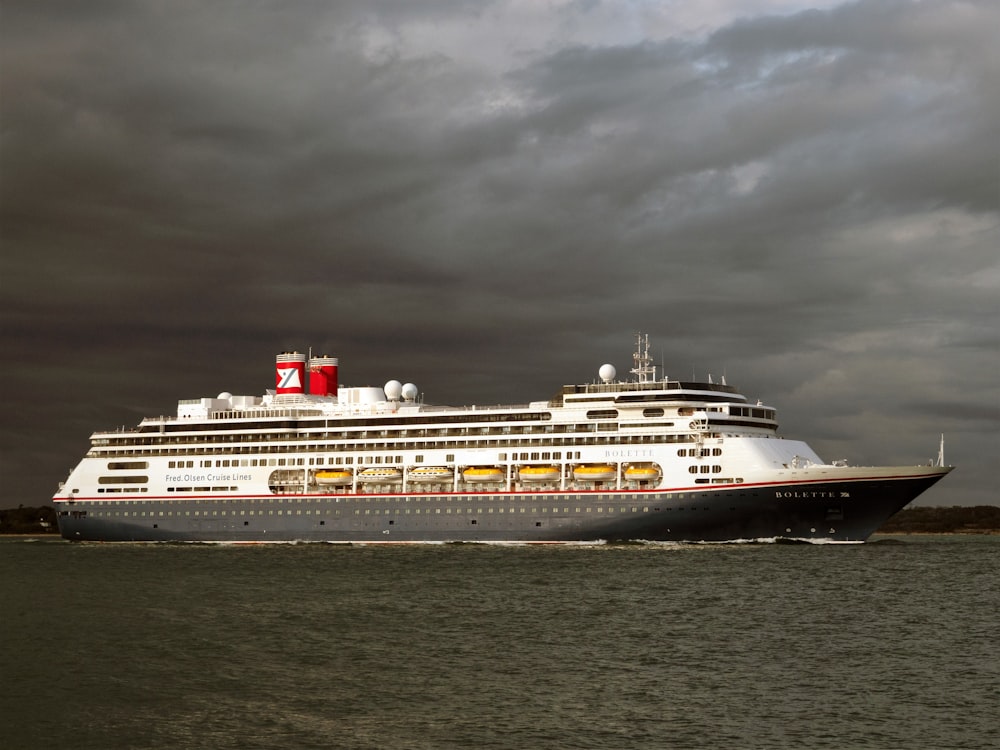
(644, 367)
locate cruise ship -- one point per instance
(643, 458)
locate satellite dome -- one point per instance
(392, 390)
(410, 391)
(607, 373)
(225, 396)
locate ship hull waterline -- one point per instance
(848, 510)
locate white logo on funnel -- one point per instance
(289, 378)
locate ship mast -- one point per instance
(644, 368)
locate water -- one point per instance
(887, 645)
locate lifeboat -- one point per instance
(642, 472)
(334, 477)
(483, 474)
(380, 475)
(594, 473)
(538, 473)
(430, 474)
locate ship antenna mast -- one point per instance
(644, 368)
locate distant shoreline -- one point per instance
(968, 532)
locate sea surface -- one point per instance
(890, 644)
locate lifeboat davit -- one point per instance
(594, 473)
(538, 473)
(335, 477)
(380, 475)
(483, 474)
(430, 474)
(642, 472)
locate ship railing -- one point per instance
(659, 385)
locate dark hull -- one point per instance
(848, 510)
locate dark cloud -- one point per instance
(489, 199)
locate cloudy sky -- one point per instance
(490, 198)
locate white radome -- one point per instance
(392, 390)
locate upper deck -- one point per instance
(644, 404)
(664, 391)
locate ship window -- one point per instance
(127, 479)
(652, 412)
(602, 414)
(129, 465)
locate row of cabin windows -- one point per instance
(370, 511)
(362, 460)
(320, 433)
(122, 449)
(156, 439)
(545, 510)
(395, 501)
